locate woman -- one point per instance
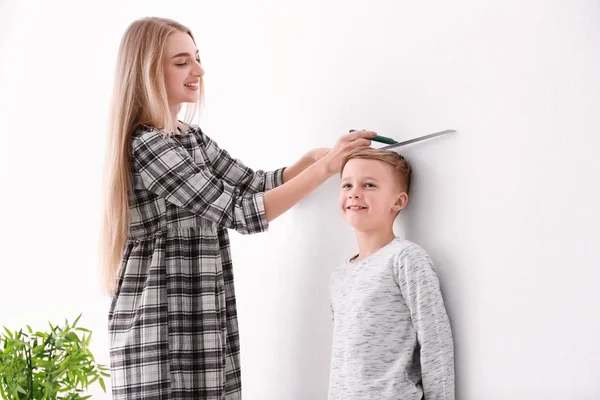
(171, 196)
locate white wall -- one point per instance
(507, 207)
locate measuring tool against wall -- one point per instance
(393, 144)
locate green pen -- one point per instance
(380, 139)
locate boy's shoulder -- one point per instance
(410, 258)
(403, 247)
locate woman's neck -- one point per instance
(174, 121)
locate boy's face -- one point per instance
(370, 195)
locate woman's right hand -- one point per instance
(345, 144)
(280, 199)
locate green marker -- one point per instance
(380, 139)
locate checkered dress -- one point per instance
(173, 322)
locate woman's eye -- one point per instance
(181, 64)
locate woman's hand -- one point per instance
(345, 144)
(301, 179)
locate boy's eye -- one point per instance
(346, 186)
(369, 185)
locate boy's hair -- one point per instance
(400, 165)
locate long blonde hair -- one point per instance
(139, 98)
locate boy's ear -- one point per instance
(401, 202)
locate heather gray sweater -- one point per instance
(391, 335)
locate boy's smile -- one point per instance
(355, 207)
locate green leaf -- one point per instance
(101, 381)
(77, 320)
(10, 335)
(17, 341)
(38, 349)
(73, 337)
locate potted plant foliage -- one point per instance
(51, 365)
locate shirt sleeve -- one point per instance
(234, 172)
(167, 170)
(421, 290)
(331, 313)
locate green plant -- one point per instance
(51, 365)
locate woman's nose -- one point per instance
(199, 71)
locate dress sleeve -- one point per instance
(234, 172)
(167, 170)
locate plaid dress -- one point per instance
(173, 324)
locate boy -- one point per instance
(391, 335)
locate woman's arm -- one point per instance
(168, 171)
(233, 171)
(304, 162)
(282, 198)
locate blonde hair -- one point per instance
(400, 165)
(139, 98)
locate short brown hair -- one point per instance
(401, 167)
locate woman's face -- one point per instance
(182, 68)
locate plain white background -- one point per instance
(507, 207)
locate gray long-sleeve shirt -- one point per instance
(391, 335)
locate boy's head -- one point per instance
(374, 188)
